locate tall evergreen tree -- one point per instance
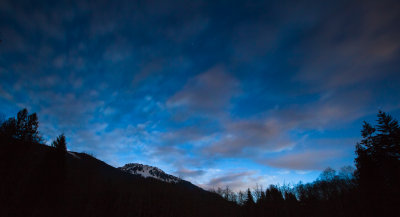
(273, 194)
(378, 153)
(378, 165)
(60, 143)
(249, 200)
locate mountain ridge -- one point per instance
(49, 183)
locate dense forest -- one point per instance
(39, 180)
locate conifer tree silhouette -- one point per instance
(378, 165)
(24, 127)
(249, 200)
(60, 143)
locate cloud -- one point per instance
(306, 160)
(6, 95)
(249, 135)
(189, 174)
(69, 110)
(185, 134)
(237, 181)
(281, 129)
(342, 53)
(113, 145)
(148, 69)
(209, 92)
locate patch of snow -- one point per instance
(74, 155)
(149, 172)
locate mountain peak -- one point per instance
(147, 171)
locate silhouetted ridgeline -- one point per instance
(38, 180)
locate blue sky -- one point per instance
(217, 92)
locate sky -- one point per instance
(220, 93)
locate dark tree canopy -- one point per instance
(249, 200)
(8, 128)
(24, 127)
(378, 154)
(60, 143)
(378, 165)
(273, 194)
(328, 174)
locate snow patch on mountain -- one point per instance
(147, 171)
(74, 155)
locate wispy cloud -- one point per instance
(306, 160)
(207, 93)
(239, 180)
(189, 174)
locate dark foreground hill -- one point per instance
(36, 180)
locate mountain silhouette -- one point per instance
(37, 180)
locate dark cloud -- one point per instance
(238, 180)
(273, 130)
(189, 174)
(209, 92)
(307, 160)
(241, 136)
(233, 180)
(352, 48)
(184, 134)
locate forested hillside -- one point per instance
(38, 180)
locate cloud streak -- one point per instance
(308, 160)
(209, 92)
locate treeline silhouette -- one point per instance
(38, 180)
(373, 189)
(332, 194)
